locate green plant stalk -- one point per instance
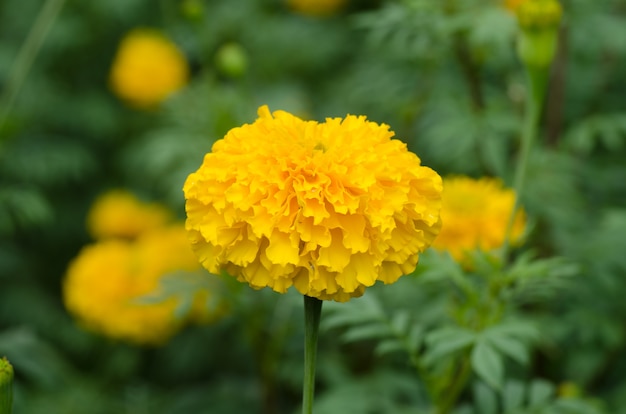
(537, 79)
(27, 54)
(6, 386)
(452, 393)
(312, 314)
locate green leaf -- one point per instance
(485, 399)
(365, 332)
(389, 346)
(487, 363)
(446, 341)
(509, 346)
(513, 395)
(539, 392)
(400, 321)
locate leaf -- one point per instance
(400, 321)
(487, 363)
(539, 392)
(513, 395)
(507, 345)
(446, 341)
(485, 399)
(365, 332)
(389, 346)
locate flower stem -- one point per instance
(312, 314)
(537, 79)
(6, 386)
(452, 393)
(26, 56)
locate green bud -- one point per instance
(536, 48)
(231, 60)
(6, 386)
(539, 22)
(192, 9)
(539, 14)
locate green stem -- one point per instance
(451, 395)
(27, 54)
(312, 314)
(537, 81)
(6, 386)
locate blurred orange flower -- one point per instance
(147, 68)
(119, 213)
(475, 215)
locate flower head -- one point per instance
(147, 68)
(106, 286)
(475, 215)
(329, 208)
(118, 213)
(316, 7)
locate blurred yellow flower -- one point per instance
(316, 7)
(147, 68)
(118, 213)
(475, 215)
(106, 286)
(329, 208)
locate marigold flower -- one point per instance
(475, 215)
(118, 213)
(147, 68)
(107, 283)
(317, 7)
(329, 208)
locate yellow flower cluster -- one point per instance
(316, 7)
(106, 285)
(475, 215)
(109, 284)
(119, 213)
(329, 208)
(147, 68)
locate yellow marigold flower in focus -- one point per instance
(329, 208)
(118, 213)
(475, 215)
(316, 7)
(147, 68)
(106, 283)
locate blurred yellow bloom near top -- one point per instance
(475, 215)
(329, 208)
(106, 285)
(147, 68)
(119, 213)
(317, 7)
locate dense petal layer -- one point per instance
(329, 207)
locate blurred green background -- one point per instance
(442, 73)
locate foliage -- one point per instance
(541, 333)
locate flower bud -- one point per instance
(539, 23)
(231, 60)
(6, 386)
(539, 14)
